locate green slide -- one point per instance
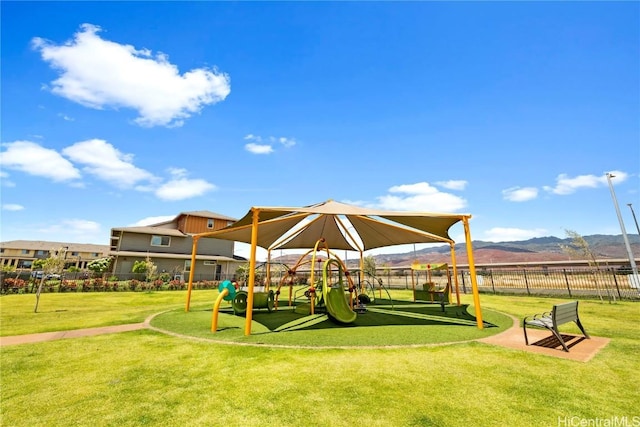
(335, 298)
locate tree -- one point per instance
(8, 268)
(146, 267)
(52, 265)
(579, 248)
(242, 272)
(370, 266)
(37, 264)
(100, 265)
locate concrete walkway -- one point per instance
(76, 333)
(581, 349)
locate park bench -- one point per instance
(559, 315)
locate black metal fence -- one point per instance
(577, 282)
(604, 283)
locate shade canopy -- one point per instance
(342, 226)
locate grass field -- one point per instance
(147, 378)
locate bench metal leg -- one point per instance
(582, 329)
(524, 326)
(557, 334)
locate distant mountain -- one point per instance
(507, 248)
(533, 250)
(538, 249)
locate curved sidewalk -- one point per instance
(76, 333)
(582, 350)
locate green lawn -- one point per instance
(147, 378)
(64, 311)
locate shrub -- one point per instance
(176, 284)
(11, 284)
(97, 284)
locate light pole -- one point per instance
(632, 261)
(634, 217)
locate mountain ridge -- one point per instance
(537, 249)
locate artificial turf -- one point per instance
(400, 323)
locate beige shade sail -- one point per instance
(343, 226)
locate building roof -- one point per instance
(177, 256)
(47, 246)
(208, 214)
(200, 214)
(150, 229)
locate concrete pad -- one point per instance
(543, 342)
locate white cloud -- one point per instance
(420, 197)
(102, 160)
(99, 74)
(78, 228)
(517, 194)
(567, 185)
(5, 179)
(258, 148)
(501, 234)
(12, 207)
(66, 118)
(180, 187)
(107, 163)
(34, 159)
(453, 184)
(244, 250)
(152, 220)
(252, 137)
(287, 142)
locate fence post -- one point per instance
(526, 281)
(566, 279)
(492, 285)
(615, 280)
(464, 288)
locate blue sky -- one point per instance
(117, 113)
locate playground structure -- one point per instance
(347, 228)
(327, 292)
(324, 293)
(431, 292)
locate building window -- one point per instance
(95, 254)
(1, 250)
(25, 251)
(160, 240)
(75, 253)
(42, 253)
(187, 265)
(210, 223)
(24, 263)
